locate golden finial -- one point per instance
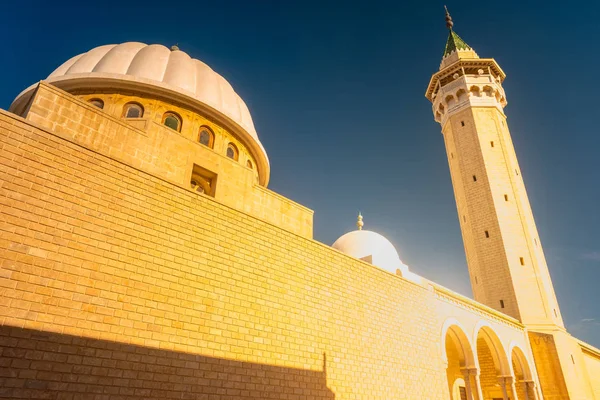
(449, 23)
(175, 47)
(359, 222)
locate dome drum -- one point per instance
(158, 72)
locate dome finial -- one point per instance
(175, 47)
(359, 222)
(449, 23)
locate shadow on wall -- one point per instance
(35, 364)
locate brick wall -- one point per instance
(114, 282)
(592, 366)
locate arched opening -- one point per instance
(249, 164)
(450, 101)
(133, 110)
(461, 94)
(172, 120)
(493, 366)
(475, 91)
(459, 355)
(97, 103)
(488, 91)
(524, 383)
(206, 137)
(232, 152)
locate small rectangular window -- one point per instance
(487, 234)
(555, 313)
(476, 280)
(501, 303)
(462, 123)
(516, 172)
(572, 359)
(492, 143)
(522, 260)
(505, 197)
(203, 180)
(474, 178)
(464, 219)
(451, 155)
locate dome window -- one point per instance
(133, 110)
(97, 102)
(249, 164)
(232, 152)
(206, 137)
(172, 120)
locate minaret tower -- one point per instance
(504, 253)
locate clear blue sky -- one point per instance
(336, 90)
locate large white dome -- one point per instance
(158, 64)
(371, 247)
(158, 70)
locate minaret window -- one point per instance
(133, 110)
(172, 120)
(487, 234)
(474, 178)
(492, 143)
(462, 123)
(501, 303)
(522, 260)
(206, 137)
(505, 197)
(97, 102)
(232, 152)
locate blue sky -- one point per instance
(336, 90)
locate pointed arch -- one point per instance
(456, 332)
(484, 331)
(457, 354)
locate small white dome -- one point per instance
(371, 247)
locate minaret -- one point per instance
(504, 253)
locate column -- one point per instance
(477, 384)
(502, 381)
(526, 385)
(513, 390)
(467, 375)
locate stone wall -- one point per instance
(592, 366)
(114, 281)
(160, 151)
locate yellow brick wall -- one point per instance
(548, 366)
(115, 282)
(592, 366)
(160, 151)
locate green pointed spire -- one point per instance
(455, 43)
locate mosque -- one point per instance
(142, 255)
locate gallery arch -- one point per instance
(460, 363)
